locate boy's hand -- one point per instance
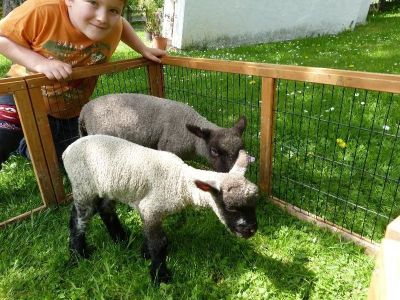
(54, 69)
(154, 54)
(26, 57)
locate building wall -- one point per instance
(210, 23)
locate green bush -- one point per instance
(152, 10)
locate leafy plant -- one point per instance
(152, 10)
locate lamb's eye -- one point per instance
(214, 152)
(231, 209)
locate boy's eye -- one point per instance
(115, 11)
(93, 2)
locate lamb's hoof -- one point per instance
(122, 237)
(81, 253)
(145, 252)
(160, 276)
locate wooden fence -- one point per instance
(386, 276)
(30, 104)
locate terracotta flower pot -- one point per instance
(160, 42)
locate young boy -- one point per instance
(51, 37)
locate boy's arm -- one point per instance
(51, 68)
(130, 38)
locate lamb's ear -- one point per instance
(208, 186)
(241, 125)
(242, 163)
(203, 133)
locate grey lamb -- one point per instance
(105, 169)
(164, 125)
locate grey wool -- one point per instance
(164, 125)
(104, 170)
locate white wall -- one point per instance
(216, 23)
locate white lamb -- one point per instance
(105, 169)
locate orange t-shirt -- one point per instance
(44, 27)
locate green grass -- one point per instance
(356, 186)
(287, 259)
(19, 191)
(371, 47)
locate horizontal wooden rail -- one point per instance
(350, 79)
(22, 216)
(371, 248)
(344, 78)
(38, 80)
(11, 85)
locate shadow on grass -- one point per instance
(206, 261)
(19, 191)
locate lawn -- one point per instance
(287, 259)
(371, 47)
(334, 147)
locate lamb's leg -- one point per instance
(106, 209)
(80, 217)
(156, 241)
(145, 250)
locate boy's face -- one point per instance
(95, 18)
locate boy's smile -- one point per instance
(94, 18)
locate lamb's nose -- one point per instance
(247, 230)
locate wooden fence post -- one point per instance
(35, 147)
(266, 136)
(386, 276)
(156, 79)
(46, 137)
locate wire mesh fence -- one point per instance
(133, 80)
(129, 81)
(336, 154)
(334, 148)
(220, 97)
(19, 191)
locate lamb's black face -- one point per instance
(223, 144)
(223, 150)
(241, 220)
